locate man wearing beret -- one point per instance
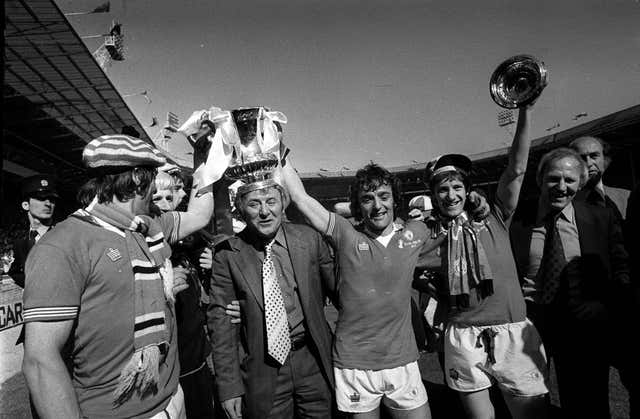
(101, 283)
(39, 197)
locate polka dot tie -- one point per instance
(278, 341)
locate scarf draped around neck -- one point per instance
(152, 276)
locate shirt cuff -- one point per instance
(38, 314)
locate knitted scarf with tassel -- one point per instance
(148, 255)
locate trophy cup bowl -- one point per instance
(249, 163)
(518, 81)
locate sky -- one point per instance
(394, 82)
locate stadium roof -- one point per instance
(56, 97)
(621, 129)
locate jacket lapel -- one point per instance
(583, 223)
(250, 268)
(300, 262)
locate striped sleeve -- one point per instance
(53, 285)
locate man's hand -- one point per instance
(179, 279)
(233, 407)
(233, 311)
(589, 310)
(479, 206)
(206, 258)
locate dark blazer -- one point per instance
(21, 248)
(239, 351)
(602, 268)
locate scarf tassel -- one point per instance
(140, 374)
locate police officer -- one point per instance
(39, 196)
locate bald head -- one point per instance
(595, 153)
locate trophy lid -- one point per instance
(518, 81)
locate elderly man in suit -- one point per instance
(572, 262)
(596, 154)
(277, 362)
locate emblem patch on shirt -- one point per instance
(407, 240)
(355, 397)
(363, 247)
(114, 254)
(454, 374)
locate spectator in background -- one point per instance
(420, 207)
(194, 347)
(39, 196)
(596, 154)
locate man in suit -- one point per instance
(572, 262)
(39, 197)
(277, 362)
(596, 154)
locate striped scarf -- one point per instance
(153, 277)
(465, 260)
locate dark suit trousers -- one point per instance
(579, 352)
(301, 390)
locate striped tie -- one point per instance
(278, 341)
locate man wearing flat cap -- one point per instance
(101, 284)
(39, 197)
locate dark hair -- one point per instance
(448, 176)
(370, 178)
(557, 154)
(119, 185)
(444, 177)
(606, 148)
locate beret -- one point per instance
(120, 151)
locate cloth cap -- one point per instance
(447, 163)
(39, 186)
(120, 151)
(421, 202)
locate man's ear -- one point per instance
(607, 162)
(25, 205)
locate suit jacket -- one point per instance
(240, 351)
(21, 248)
(600, 271)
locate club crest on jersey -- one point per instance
(407, 240)
(114, 254)
(363, 247)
